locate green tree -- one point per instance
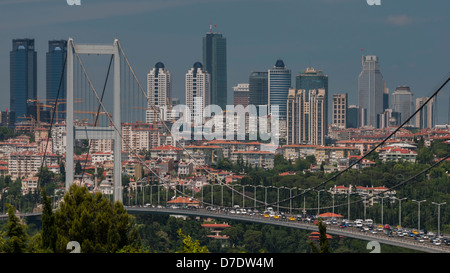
(323, 241)
(96, 224)
(16, 236)
(191, 246)
(48, 224)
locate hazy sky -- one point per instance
(410, 37)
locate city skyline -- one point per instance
(391, 27)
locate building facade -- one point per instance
(241, 94)
(55, 79)
(159, 89)
(279, 82)
(425, 117)
(314, 79)
(258, 88)
(305, 123)
(23, 77)
(197, 90)
(371, 87)
(215, 63)
(402, 102)
(339, 110)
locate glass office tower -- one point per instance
(215, 62)
(279, 82)
(23, 77)
(371, 87)
(403, 103)
(258, 88)
(56, 55)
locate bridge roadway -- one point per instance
(380, 237)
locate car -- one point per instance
(373, 231)
(266, 215)
(343, 225)
(437, 242)
(292, 218)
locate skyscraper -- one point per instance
(23, 77)
(305, 120)
(56, 55)
(215, 63)
(197, 90)
(314, 79)
(402, 102)
(371, 87)
(425, 117)
(258, 88)
(279, 82)
(159, 82)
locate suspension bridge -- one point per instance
(108, 105)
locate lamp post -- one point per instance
(290, 199)
(439, 216)
(418, 220)
(318, 201)
(400, 210)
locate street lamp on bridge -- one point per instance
(418, 220)
(439, 216)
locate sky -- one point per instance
(410, 37)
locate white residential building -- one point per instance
(159, 93)
(197, 91)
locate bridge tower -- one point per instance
(89, 132)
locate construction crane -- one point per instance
(90, 112)
(38, 109)
(62, 101)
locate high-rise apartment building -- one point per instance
(314, 79)
(402, 102)
(425, 117)
(197, 90)
(23, 78)
(371, 88)
(159, 84)
(305, 120)
(215, 63)
(55, 79)
(279, 82)
(339, 112)
(258, 88)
